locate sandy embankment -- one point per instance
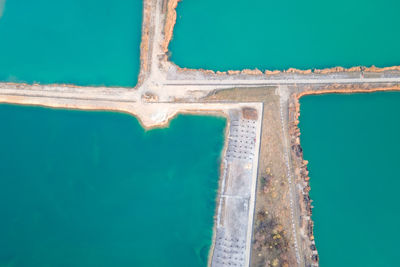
(145, 42)
(301, 176)
(150, 115)
(169, 25)
(344, 91)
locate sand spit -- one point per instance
(145, 42)
(345, 91)
(56, 85)
(221, 73)
(150, 115)
(169, 24)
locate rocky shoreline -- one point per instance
(302, 178)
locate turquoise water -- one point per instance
(352, 144)
(267, 34)
(95, 189)
(84, 42)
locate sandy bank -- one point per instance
(145, 42)
(169, 24)
(150, 115)
(343, 91)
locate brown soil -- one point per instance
(170, 21)
(145, 42)
(348, 90)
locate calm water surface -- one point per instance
(85, 42)
(352, 144)
(95, 189)
(270, 34)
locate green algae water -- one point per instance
(84, 42)
(95, 189)
(352, 145)
(266, 34)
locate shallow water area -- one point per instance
(83, 42)
(233, 35)
(95, 189)
(351, 143)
